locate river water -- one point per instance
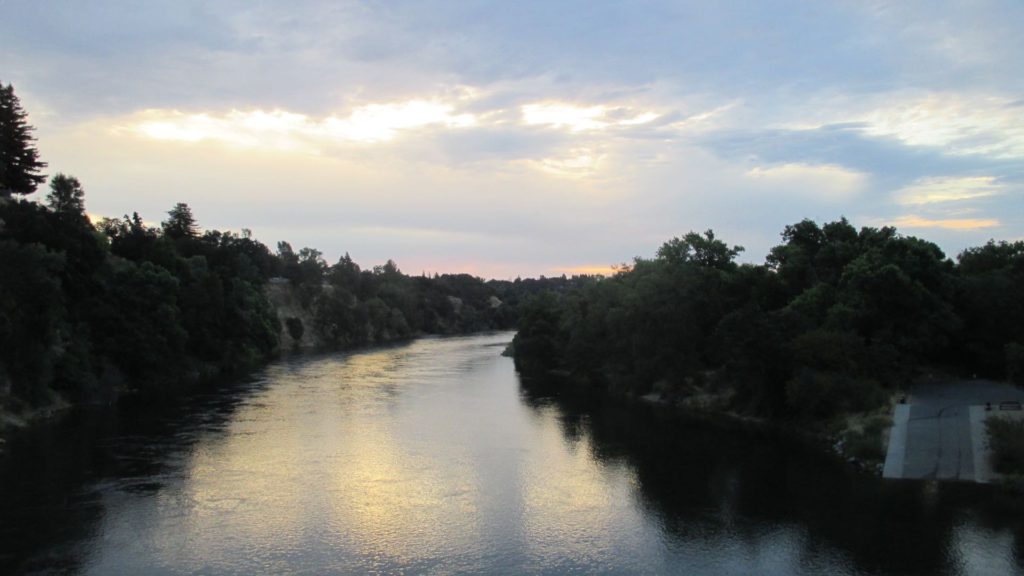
(433, 458)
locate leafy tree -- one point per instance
(540, 341)
(705, 250)
(345, 273)
(31, 314)
(988, 299)
(19, 159)
(288, 262)
(312, 266)
(66, 195)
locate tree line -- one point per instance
(833, 322)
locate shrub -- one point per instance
(1006, 438)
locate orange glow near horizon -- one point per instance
(592, 270)
(949, 224)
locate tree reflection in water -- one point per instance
(707, 478)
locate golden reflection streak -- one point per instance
(393, 501)
(385, 495)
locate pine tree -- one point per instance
(180, 223)
(19, 159)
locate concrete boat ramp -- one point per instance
(939, 434)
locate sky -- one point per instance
(508, 139)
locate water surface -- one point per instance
(432, 457)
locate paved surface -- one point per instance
(938, 436)
(897, 443)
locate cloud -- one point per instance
(823, 181)
(961, 124)
(948, 189)
(575, 163)
(583, 118)
(282, 130)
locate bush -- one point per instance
(295, 328)
(1006, 438)
(817, 394)
(1015, 362)
(866, 444)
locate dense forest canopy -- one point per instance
(834, 320)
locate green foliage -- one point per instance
(820, 394)
(704, 250)
(1006, 439)
(866, 444)
(139, 324)
(988, 300)
(539, 343)
(66, 196)
(1015, 362)
(334, 318)
(832, 321)
(32, 315)
(180, 223)
(89, 312)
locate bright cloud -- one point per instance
(381, 122)
(912, 221)
(582, 118)
(282, 130)
(960, 123)
(577, 163)
(950, 189)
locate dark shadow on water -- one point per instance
(705, 477)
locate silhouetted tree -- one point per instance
(705, 250)
(180, 223)
(19, 159)
(66, 195)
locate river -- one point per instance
(431, 457)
